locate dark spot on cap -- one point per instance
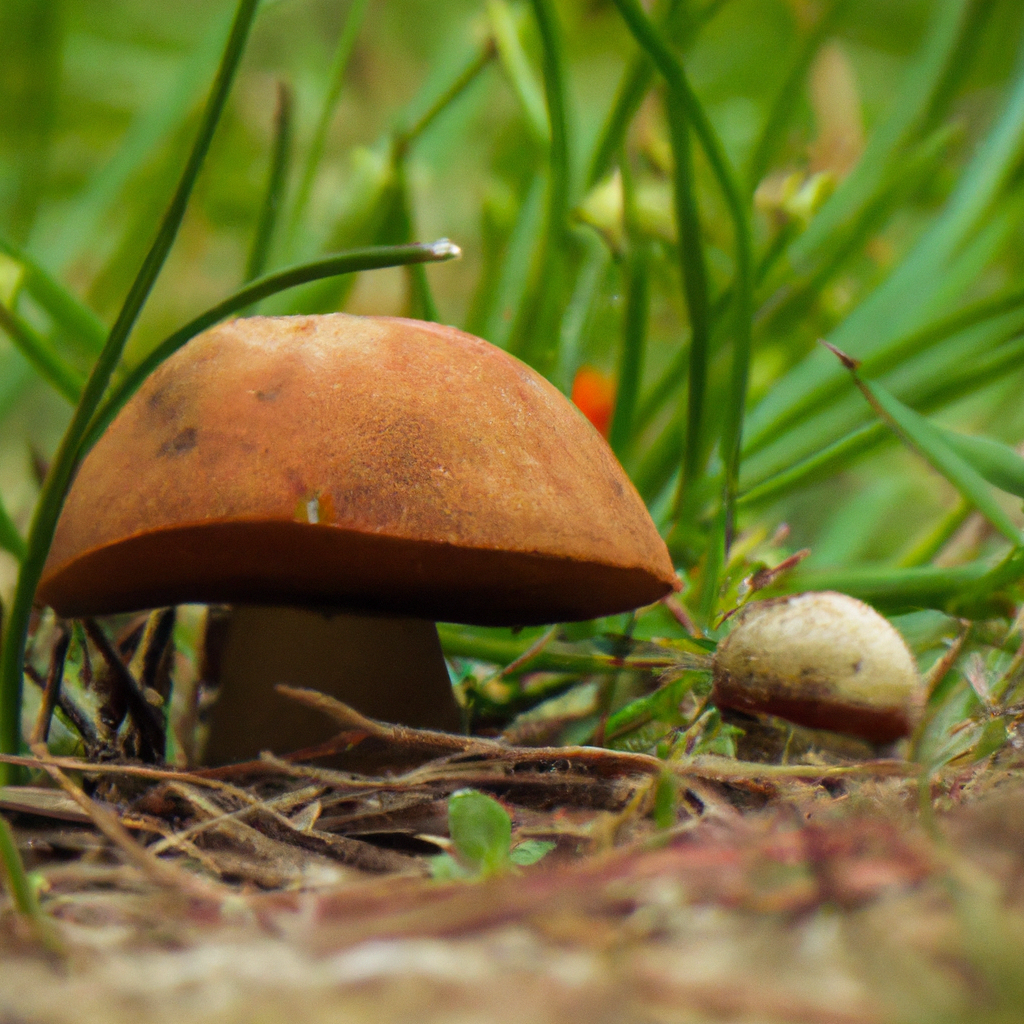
(183, 441)
(269, 395)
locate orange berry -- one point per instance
(593, 393)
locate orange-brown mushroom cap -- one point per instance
(369, 463)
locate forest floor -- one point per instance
(287, 892)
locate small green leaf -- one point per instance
(445, 868)
(481, 830)
(531, 851)
(666, 801)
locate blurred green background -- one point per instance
(99, 102)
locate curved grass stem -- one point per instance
(62, 468)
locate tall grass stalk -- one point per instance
(62, 468)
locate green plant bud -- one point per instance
(602, 209)
(820, 659)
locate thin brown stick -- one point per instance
(159, 872)
(147, 719)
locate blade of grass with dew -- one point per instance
(353, 262)
(78, 225)
(773, 133)
(505, 29)
(44, 520)
(336, 81)
(887, 313)
(10, 539)
(44, 359)
(928, 441)
(277, 180)
(735, 399)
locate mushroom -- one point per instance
(820, 659)
(306, 469)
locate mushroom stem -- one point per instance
(387, 668)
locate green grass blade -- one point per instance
(998, 463)
(449, 94)
(523, 252)
(912, 98)
(888, 313)
(23, 895)
(681, 24)
(277, 179)
(903, 349)
(773, 133)
(517, 68)
(10, 539)
(929, 442)
(576, 320)
(65, 308)
(928, 546)
(421, 299)
(634, 85)
(735, 399)
(38, 351)
(535, 338)
(15, 375)
(634, 342)
(692, 262)
(32, 58)
(336, 81)
(892, 589)
(80, 225)
(62, 468)
(353, 262)
(979, 373)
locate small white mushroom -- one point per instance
(824, 660)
